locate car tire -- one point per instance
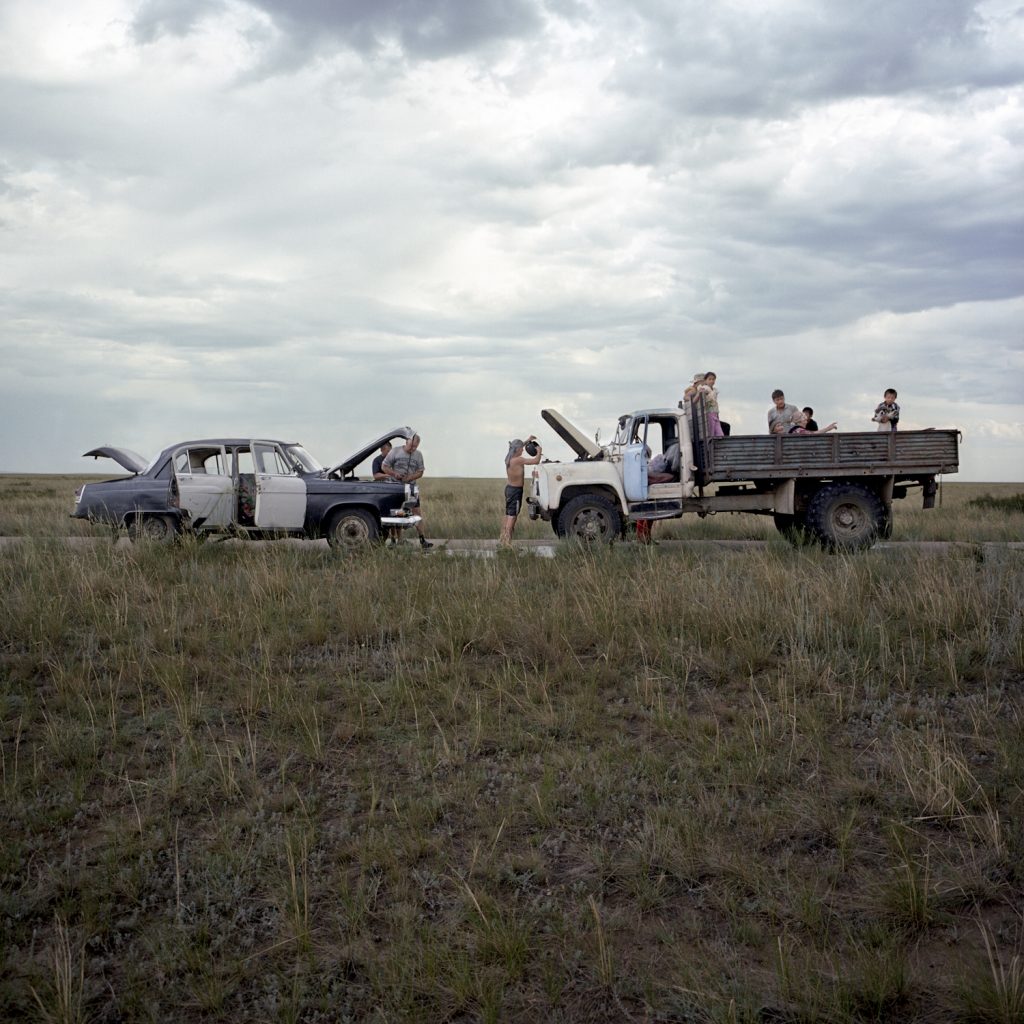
(591, 519)
(352, 528)
(846, 516)
(153, 529)
(793, 528)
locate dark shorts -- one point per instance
(513, 500)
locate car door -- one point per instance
(205, 487)
(280, 491)
(634, 463)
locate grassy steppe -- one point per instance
(39, 506)
(276, 783)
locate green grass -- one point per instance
(1004, 503)
(275, 783)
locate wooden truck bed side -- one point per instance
(903, 453)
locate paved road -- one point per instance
(547, 549)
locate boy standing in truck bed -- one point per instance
(887, 412)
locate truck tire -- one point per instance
(793, 528)
(846, 516)
(352, 528)
(156, 529)
(590, 518)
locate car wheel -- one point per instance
(156, 529)
(590, 518)
(793, 528)
(846, 516)
(352, 528)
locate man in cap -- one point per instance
(515, 460)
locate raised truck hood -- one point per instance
(571, 434)
(132, 461)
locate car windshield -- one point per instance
(300, 455)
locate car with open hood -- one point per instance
(247, 487)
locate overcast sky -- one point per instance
(317, 219)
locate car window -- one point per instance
(299, 454)
(271, 460)
(243, 461)
(200, 461)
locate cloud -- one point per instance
(729, 59)
(315, 220)
(418, 29)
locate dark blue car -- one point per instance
(247, 487)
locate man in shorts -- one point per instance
(515, 460)
(404, 465)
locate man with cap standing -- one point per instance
(515, 460)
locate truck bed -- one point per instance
(903, 454)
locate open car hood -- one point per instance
(349, 464)
(571, 434)
(132, 461)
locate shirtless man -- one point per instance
(515, 460)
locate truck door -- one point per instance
(634, 462)
(205, 487)
(280, 491)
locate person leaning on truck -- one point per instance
(515, 460)
(781, 416)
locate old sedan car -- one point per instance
(247, 487)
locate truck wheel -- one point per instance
(793, 528)
(156, 529)
(590, 518)
(848, 516)
(352, 528)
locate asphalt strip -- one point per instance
(547, 549)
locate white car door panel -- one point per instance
(205, 488)
(280, 492)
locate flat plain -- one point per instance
(275, 782)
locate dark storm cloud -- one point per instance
(427, 29)
(711, 61)
(155, 18)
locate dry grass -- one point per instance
(39, 506)
(272, 783)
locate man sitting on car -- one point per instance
(405, 465)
